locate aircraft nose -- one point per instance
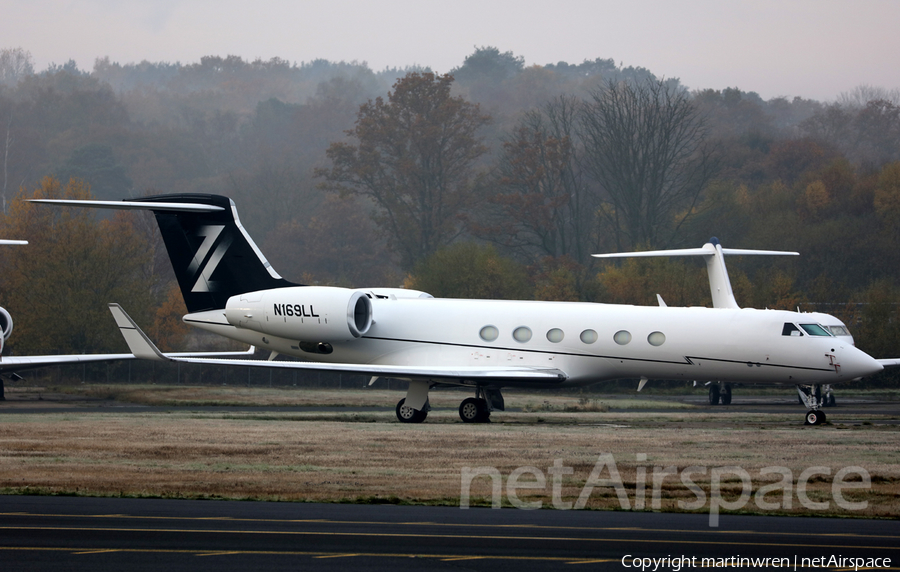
(858, 363)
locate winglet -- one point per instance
(138, 342)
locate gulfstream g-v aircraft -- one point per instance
(230, 289)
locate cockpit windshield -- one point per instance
(815, 330)
(790, 329)
(838, 330)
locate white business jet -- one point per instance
(11, 365)
(230, 289)
(723, 297)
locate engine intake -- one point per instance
(303, 313)
(6, 326)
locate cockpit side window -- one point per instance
(815, 330)
(790, 329)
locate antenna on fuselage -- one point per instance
(714, 254)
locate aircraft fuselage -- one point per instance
(589, 342)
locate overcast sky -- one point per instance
(809, 48)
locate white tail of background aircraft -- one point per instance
(231, 289)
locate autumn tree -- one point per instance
(470, 270)
(337, 246)
(866, 133)
(57, 288)
(541, 206)
(645, 144)
(414, 156)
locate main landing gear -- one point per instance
(811, 397)
(720, 392)
(472, 410)
(478, 409)
(407, 414)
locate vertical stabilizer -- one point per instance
(719, 282)
(714, 254)
(213, 256)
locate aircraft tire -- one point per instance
(726, 395)
(713, 394)
(473, 410)
(814, 418)
(408, 414)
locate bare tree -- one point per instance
(7, 143)
(15, 63)
(861, 95)
(645, 144)
(541, 206)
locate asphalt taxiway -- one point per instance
(99, 534)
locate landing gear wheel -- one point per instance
(815, 418)
(713, 394)
(474, 410)
(726, 395)
(408, 414)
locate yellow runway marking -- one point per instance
(98, 551)
(731, 543)
(793, 534)
(442, 557)
(446, 557)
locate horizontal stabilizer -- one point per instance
(5, 241)
(133, 205)
(891, 362)
(714, 254)
(695, 252)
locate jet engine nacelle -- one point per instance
(303, 313)
(6, 326)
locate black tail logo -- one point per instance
(203, 265)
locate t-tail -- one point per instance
(714, 254)
(213, 256)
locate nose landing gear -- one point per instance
(811, 397)
(720, 392)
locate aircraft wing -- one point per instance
(12, 364)
(891, 362)
(143, 348)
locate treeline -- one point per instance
(546, 165)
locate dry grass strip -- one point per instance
(355, 457)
